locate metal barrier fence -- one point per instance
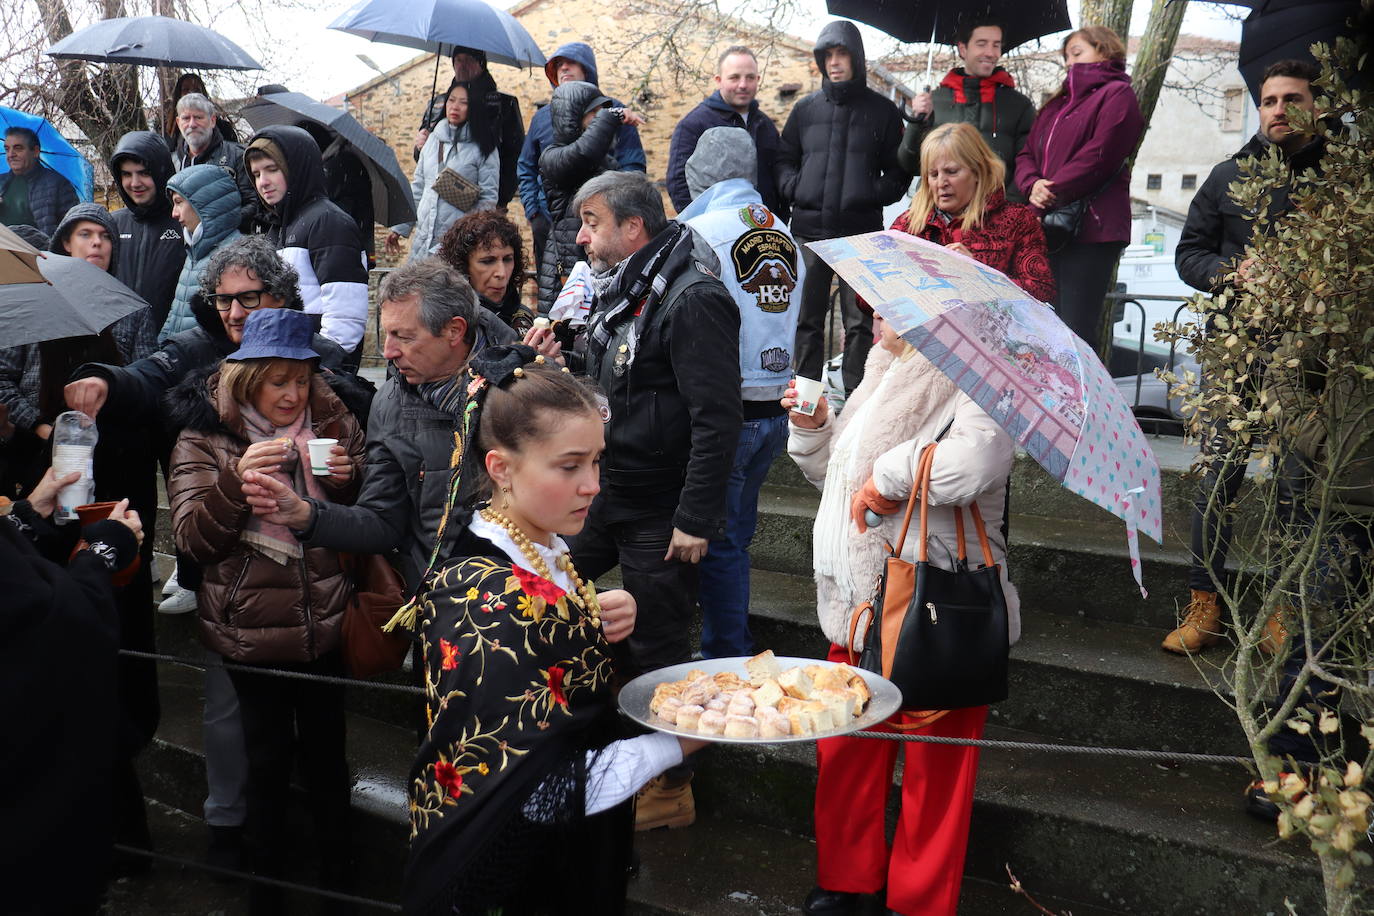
(416, 691)
(1120, 301)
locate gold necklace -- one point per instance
(585, 595)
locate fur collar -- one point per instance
(916, 395)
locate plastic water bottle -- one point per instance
(74, 436)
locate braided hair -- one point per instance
(512, 391)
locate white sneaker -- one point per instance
(183, 601)
(170, 587)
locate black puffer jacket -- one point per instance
(838, 161)
(1217, 230)
(573, 158)
(137, 390)
(151, 247)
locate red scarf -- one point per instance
(987, 86)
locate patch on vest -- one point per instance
(775, 359)
(168, 235)
(765, 262)
(706, 270)
(756, 216)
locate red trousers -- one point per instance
(925, 866)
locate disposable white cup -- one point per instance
(808, 395)
(319, 455)
(65, 459)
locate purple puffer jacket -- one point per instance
(1079, 139)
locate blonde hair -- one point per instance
(1102, 40)
(243, 378)
(962, 143)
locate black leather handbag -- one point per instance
(939, 635)
(1062, 224)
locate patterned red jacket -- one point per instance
(1010, 240)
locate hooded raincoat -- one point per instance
(150, 249)
(317, 238)
(759, 262)
(627, 148)
(575, 157)
(211, 192)
(838, 161)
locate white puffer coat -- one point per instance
(902, 405)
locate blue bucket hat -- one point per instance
(276, 334)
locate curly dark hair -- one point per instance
(479, 230)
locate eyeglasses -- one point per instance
(249, 299)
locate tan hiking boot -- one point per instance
(1275, 634)
(657, 805)
(1201, 625)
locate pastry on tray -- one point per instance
(770, 703)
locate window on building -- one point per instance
(1233, 111)
(1189, 183)
(1154, 182)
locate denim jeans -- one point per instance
(724, 592)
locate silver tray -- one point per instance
(635, 697)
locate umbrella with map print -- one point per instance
(1018, 361)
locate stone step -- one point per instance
(721, 866)
(749, 871)
(1077, 568)
(1065, 674)
(1115, 835)
(1034, 492)
(1130, 835)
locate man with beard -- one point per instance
(663, 344)
(151, 251)
(201, 142)
(1214, 236)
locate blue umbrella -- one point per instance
(155, 41)
(442, 25)
(58, 154)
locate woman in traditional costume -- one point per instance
(520, 799)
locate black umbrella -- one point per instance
(155, 41)
(940, 21)
(1282, 29)
(78, 299)
(391, 198)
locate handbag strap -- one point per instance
(922, 475)
(921, 491)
